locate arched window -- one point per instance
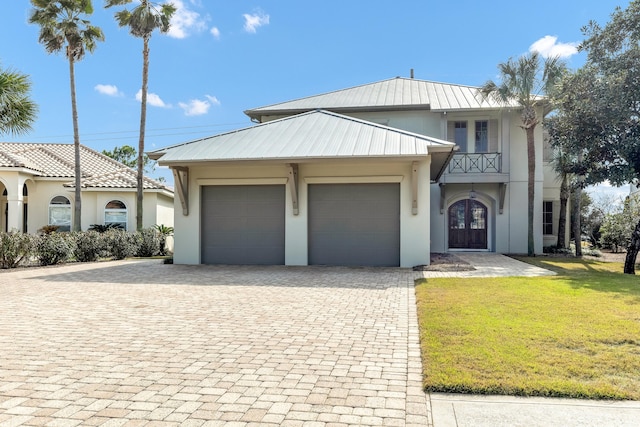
(60, 213)
(116, 213)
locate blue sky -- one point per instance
(223, 57)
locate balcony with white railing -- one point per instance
(462, 163)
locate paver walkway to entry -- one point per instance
(141, 343)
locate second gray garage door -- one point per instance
(243, 224)
(354, 224)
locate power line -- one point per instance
(149, 132)
(136, 136)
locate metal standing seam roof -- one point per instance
(317, 134)
(396, 93)
(58, 160)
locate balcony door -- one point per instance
(468, 225)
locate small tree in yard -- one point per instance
(127, 156)
(165, 232)
(618, 226)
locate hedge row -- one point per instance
(49, 248)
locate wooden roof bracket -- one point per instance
(181, 180)
(502, 191)
(293, 186)
(414, 188)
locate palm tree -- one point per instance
(562, 165)
(63, 26)
(142, 21)
(17, 110)
(523, 82)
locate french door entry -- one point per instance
(468, 225)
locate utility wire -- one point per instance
(149, 132)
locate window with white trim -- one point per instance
(60, 213)
(460, 135)
(115, 212)
(547, 218)
(483, 139)
(482, 136)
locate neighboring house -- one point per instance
(379, 174)
(37, 189)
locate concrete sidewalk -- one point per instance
(449, 410)
(489, 264)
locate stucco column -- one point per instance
(15, 207)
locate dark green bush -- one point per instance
(54, 248)
(15, 247)
(48, 229)
(149, 241)
(103, 228)
(121, 244)
(90, 246)
(164, 232)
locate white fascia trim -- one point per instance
(352, 179)
(241, 181)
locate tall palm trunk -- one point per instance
(632, 251)
(531, 181)
(562, 220)
(577, 226)
(143, 120)
(575, 216)
(77, 217)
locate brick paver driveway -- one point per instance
(141, 343)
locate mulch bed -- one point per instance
(445, 262)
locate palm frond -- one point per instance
(17, 110)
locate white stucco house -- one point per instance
(380, 174)
(37, 188)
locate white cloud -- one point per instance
(198, 107)
(110, 90)
(213, 100)
(184, 21)
(152, 99)
(548, 46)
(215, 32)
(252, 22)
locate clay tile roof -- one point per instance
(57, 161)
(121, 178)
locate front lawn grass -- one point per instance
(576, 334)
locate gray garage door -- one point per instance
(354, 224)
(243, 224)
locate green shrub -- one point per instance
(121, 244)
(15, 247)
(554, 249)
(103, 228)
(90, 246)
(48, 229)
(164, 232)
(149, 240)
(54, 248)
(592, 252)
